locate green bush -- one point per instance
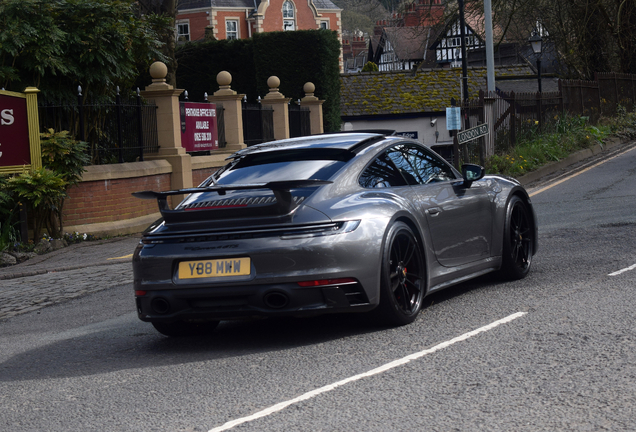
(44, 189)
(370, 67)
(567, 135)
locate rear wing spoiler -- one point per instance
(281, 189)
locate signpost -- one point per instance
(472, 133)
(198, 127)
(19, 131)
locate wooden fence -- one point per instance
(519, 115)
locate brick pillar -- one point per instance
(166, 97)
(315, 108)
(279, 104)
(233, 111)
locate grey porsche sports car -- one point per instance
(348, 222)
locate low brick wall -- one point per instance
(102, 203)
(204, 166)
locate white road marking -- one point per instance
(282, 405)
(537, 192)
(616, 273)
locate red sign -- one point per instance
(198, 126)
(14, 131)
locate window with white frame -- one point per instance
(324, 25)
(231, 29)
(183, 31)
(289, 16)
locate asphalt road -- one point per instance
(563, 359)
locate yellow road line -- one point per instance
(121, 257)
(580, 172)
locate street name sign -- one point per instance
(472, 133)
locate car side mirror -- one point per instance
(472, 173)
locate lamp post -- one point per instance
(535, 41)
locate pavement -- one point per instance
(65, 274)
(91, 266)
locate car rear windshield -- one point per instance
(315, 164)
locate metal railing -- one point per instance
(118, 132)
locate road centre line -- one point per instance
(626, 269)
(282, 405)
(580, 172)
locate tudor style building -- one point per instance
(240, 19)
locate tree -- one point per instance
(166, 10)
(587, 37)
(361, 15)
(58, 45)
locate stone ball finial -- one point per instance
(158, 71)
(309, 88)
(224, 79)
(273, 82)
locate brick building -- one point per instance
(240, 19)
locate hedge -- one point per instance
(296, 57)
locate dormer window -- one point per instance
(289, 16)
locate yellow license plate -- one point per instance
(214, 268)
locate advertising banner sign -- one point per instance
(14, 130)
(198, 126)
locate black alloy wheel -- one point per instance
(402, 285)
(518, 244)
(185, 328)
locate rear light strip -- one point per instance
(326, 282)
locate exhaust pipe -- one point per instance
(160, 306)
(276, 300)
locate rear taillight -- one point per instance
(323, 282)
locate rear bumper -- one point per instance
(272, 288)
(220, 303)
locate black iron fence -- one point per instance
(220, 125)
(117, 132)
(299, 121)
(258, 123)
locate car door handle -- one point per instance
(433, 211)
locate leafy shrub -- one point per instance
(45, 189)
(370, 67)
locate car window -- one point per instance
(282, 165)
(419, 165)
(381, 173)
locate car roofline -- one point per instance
(353, 144)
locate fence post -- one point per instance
(513, 120)
(119, 135)
(539, 116)
(279, 104)
(233, 112)
(140, 127)
(315, 108)
(80, 109)
(166, 98)
(489, 119)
